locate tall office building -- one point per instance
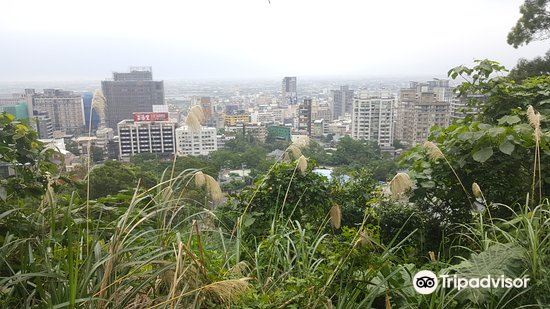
(372, 117)
(190, 143)
(131, 92)
(420, 107)
(289, 91)
(304, 117)
(147, 132)
(64, 108)
(342, 101)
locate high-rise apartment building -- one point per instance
(135, 91)
(304, 117)
(342, 101)
(147, 132)
(372, 117)
(199, 143)
(420, 107)
(43, 125)
(64, 108)
(289, 91)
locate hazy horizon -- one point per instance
(244, 40)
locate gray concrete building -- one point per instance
(131, 92)
(342, 101)
(289, 91)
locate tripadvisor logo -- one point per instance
(426, 282)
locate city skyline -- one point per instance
(258, 39)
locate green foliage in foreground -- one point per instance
(154, 250)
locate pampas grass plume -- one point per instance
(534, 121)
(227, 290)
(400, 184)
(433, 151)
(98, 104)
(193, 123)
(199, 179)
(198, 112)
(335, 216)
(292, 152)
(476, 190)
(302, 164)
(213, 188)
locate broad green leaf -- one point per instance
(483, 154)
(427, 184)
(510, 119)
(507, 147)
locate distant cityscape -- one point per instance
(142, 116)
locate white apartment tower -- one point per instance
(372, 117)
(64, 108)
(150, 134)
(190, 143)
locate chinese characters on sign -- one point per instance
(150, 116)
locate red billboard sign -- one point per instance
(150, 116)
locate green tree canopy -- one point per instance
(533, 25)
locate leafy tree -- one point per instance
(97, 154)
(21, 151)
(284, 193)
(533, 25)
(354, 194)
(72, 147)
(530, 68)
(317, 153)
(497, 96)
(110, 178)
(496, 150)
(358, 152)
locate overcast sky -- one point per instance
(244, 39)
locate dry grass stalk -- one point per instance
(534, 120)
(292, 152)
(335, 216)
(199, 179)
(213, 188)
(302, 164)
(240, 269)
(363, 239)
(433, 151)
(98, 104)
(301, 142)
(228, 290)
(193, 123)
(210, 184)
(198, 112)
(400, 184)
(476, 190)
(432, 256)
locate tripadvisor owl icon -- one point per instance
(425, 282)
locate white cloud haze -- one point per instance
(73, 39)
